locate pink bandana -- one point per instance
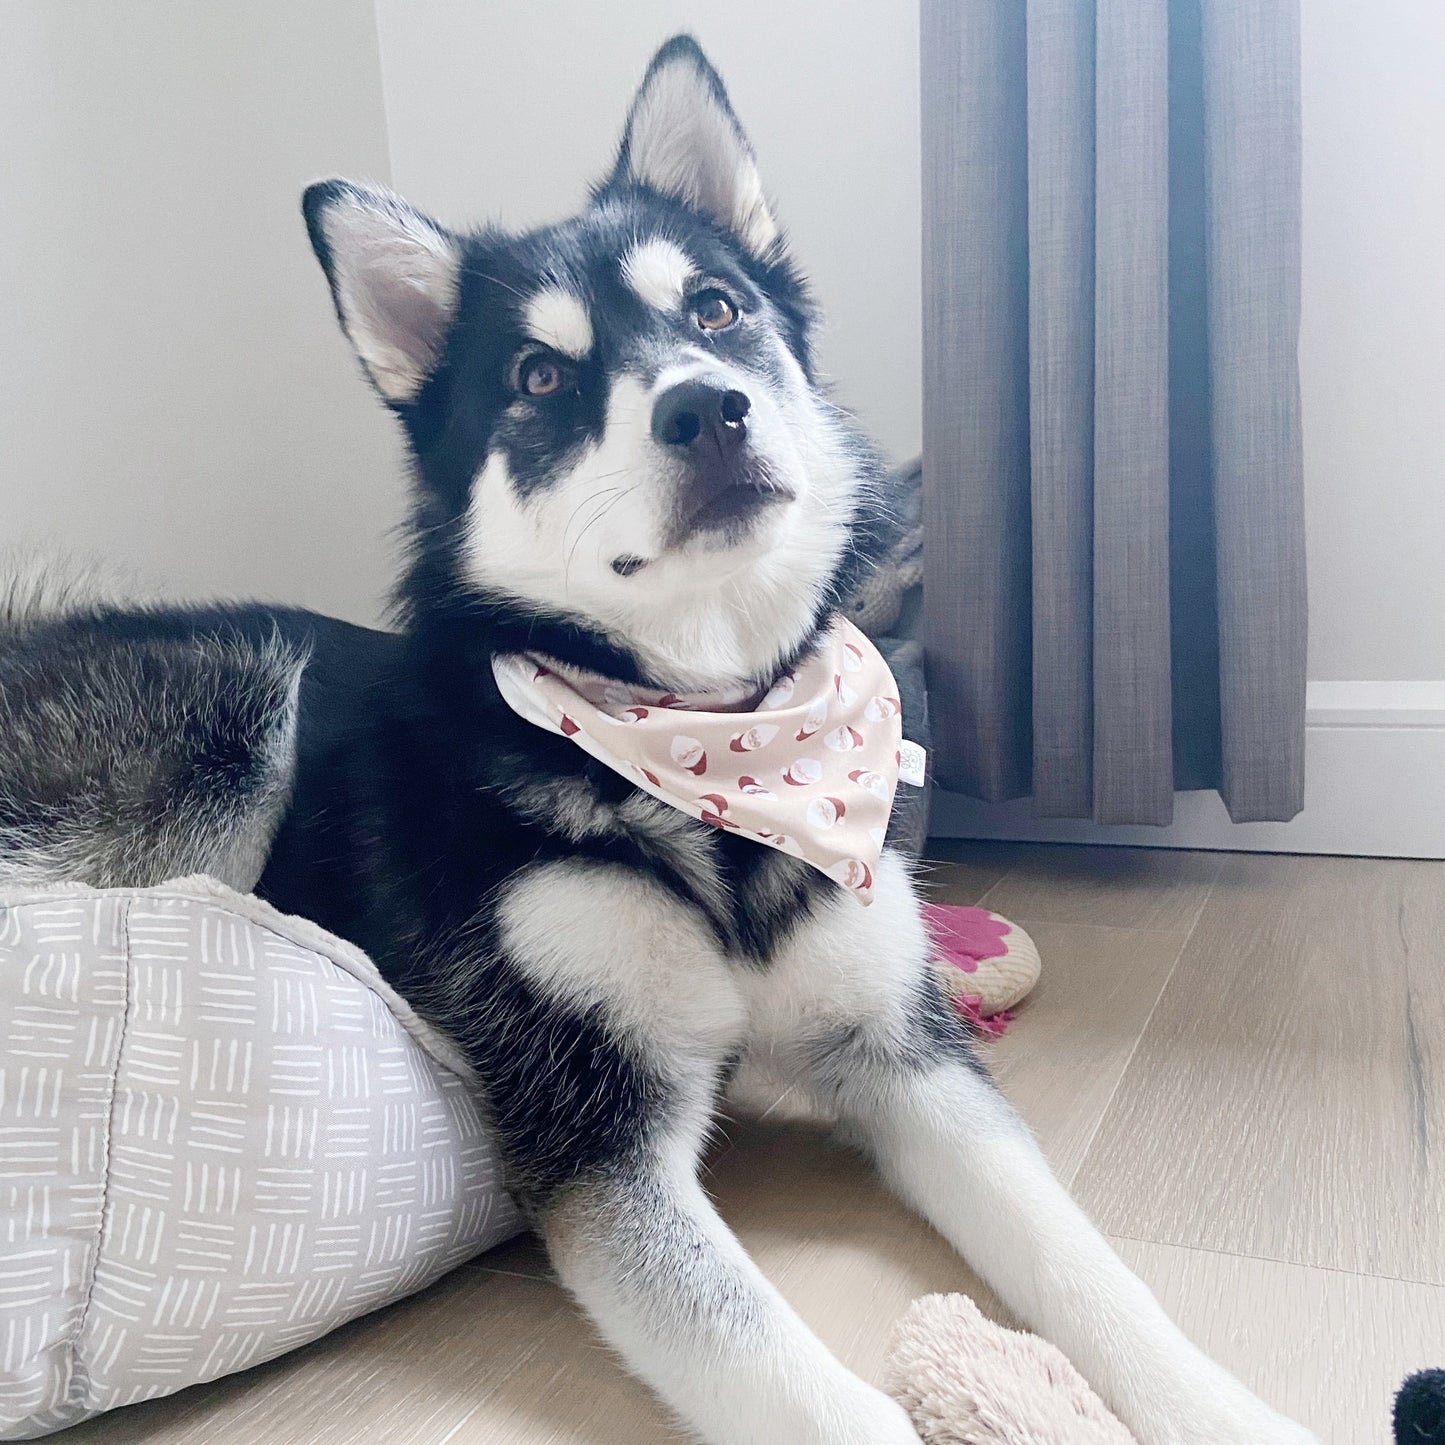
(810, 769)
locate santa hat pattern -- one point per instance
(810, 768)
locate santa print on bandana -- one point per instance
(809, 769)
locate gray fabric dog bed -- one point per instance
(222, 1134)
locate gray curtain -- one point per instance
(1114, 604)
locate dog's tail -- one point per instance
(42, 583)
(138, 741)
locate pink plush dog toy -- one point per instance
(985, 963)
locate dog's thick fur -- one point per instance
(623, 461)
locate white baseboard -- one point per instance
(1374, 786)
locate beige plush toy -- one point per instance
(967, 1381)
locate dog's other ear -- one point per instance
(683, 140)
(393, 275)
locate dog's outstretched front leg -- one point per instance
(611, 1014)
(852, 1011)
(953, 1148)
(673, 1291)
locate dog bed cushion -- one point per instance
(221, 1135)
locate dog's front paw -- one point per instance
(874, 1419)
(1264, 1427)
(1228, 1416)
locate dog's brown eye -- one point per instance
(541, 376)
(714, 311)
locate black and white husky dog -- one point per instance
(623, 462)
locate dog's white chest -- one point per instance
(610, 941)
(841, 963)
(614, 942)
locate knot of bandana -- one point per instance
(810, 768)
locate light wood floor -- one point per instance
(1237, 1061)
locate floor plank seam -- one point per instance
(479, 1268)
(1429, 1284)
(1208, 894)
(1093, 1132)
(1027, 921)
(1187, 934)
(982, 900)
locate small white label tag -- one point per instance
(912, 764)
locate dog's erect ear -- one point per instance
(393, 275)
(683, 140)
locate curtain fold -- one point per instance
(1133, 755)
(1060, 84)
(1114, 600)
(976, 390)
(1252, 189)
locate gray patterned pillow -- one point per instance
(221, 1135)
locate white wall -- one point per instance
(1372, 350)
(509, 112)
(174, 393)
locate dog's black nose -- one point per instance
(701, 408)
